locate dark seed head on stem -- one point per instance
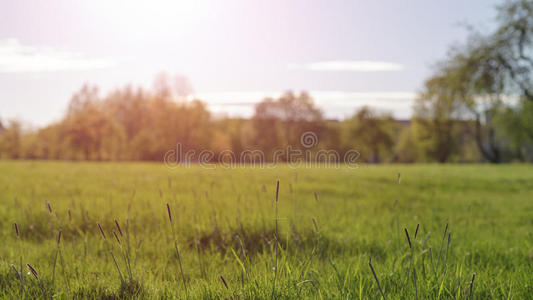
(118, 227)
(472, 286)
(416, 231)
(59, 237)
(33, 272)
(17, 230)
(101, 230)
(16, 271)
(407, 235)
(49, 207)
(277, 191)
(169, 213)
(224, 282)
(116, 237)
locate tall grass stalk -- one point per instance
(376, 278)
(243, 259)
(470, 294)
(128, 235)
(430, 253)
(124, 251)
(19, 245)
(111, 253)
(19, 276)
(197, 246)
(224, 282)
(307, 263)
(447, 248)
(412, 263)
(176, 248)
(58, 249)
(276, 244)
(39, 282)
(441, 244)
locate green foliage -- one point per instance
(517, 128)
(132, 124)
(372, 133)
(474, 81)
(279, 123)
(11, 140)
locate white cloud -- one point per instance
(348, 65)
(236, 97)
(251, 97)
(17, 58)
(376, 96)
(335, 104)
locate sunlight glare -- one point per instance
(138, 17)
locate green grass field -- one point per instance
(225, 226)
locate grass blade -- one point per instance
(376, 278)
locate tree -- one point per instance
(433, 119)
(476, 78)
(372, 133)
(512, 44)
(517, 127)
(11, 140)
(175, 87)
(129, 107)
(281, 122)
(90, 129)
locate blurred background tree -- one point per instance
(281, 122)
(371, 134)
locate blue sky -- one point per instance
(346, 53)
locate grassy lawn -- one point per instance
(331, 221)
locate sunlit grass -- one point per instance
(330, 222)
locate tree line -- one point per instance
(476, 107)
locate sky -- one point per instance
(234, 52)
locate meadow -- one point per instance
(421, 231)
